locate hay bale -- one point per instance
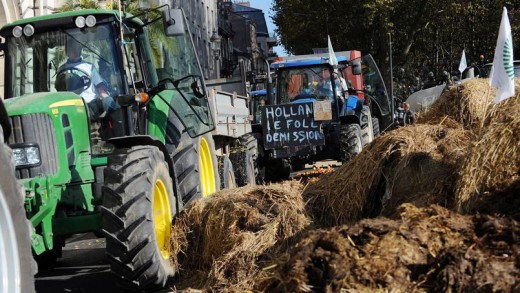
(222, 238)
(490, 176)
(417, 161)
(427, 250)
(466, 103)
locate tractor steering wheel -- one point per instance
(72, 80)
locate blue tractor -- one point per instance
(322, 110)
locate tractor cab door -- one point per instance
(176, 74)
(375, 89)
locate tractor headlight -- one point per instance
(90, 21)
(17, 31)
(80, 21)
(26, 155)
(28, 30)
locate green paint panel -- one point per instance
(71, 185)
(39, 102)
(158, 113)
(78, 224)
(99, 161)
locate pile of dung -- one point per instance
(466, 103)
(427, 250)
(415, 164)
(312, 176)
(490, 176)
(221, 240)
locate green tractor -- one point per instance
(118, 149)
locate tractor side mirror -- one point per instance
(356, 67)
(173, 22)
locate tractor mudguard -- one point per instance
(130, 141)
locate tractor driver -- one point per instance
(340, 85)
(82, 78)
(307, 86)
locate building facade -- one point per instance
(202, 20)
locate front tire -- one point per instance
(375, 127)
(367, 127)
(244, 160)
(138, 209)
(16, 263)
(350, 141)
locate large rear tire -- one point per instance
(208, 165)
(350, 141)
(277, 170)
(17, 266)
(191, 161)
(226, 173)
(244, 160)
(139, 205)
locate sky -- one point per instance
(265, 6)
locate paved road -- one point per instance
(83, 268)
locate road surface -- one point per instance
(82, 268)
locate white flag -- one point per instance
(502, 73)
(332, 56)
(463, 64)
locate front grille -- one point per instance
(36, 128)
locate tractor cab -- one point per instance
(102, 63)
(305, 80)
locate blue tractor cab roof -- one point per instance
(305, 62)
(258, 93)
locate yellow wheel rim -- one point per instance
(162, 218)
(207, 176)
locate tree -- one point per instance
(428, 35)
(78, 4)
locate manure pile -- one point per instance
(433, 207)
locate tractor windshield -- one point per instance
(305, 82)
(34, 63)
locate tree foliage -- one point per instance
(427, 35)
(70, 5)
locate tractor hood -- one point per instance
(41, 102)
